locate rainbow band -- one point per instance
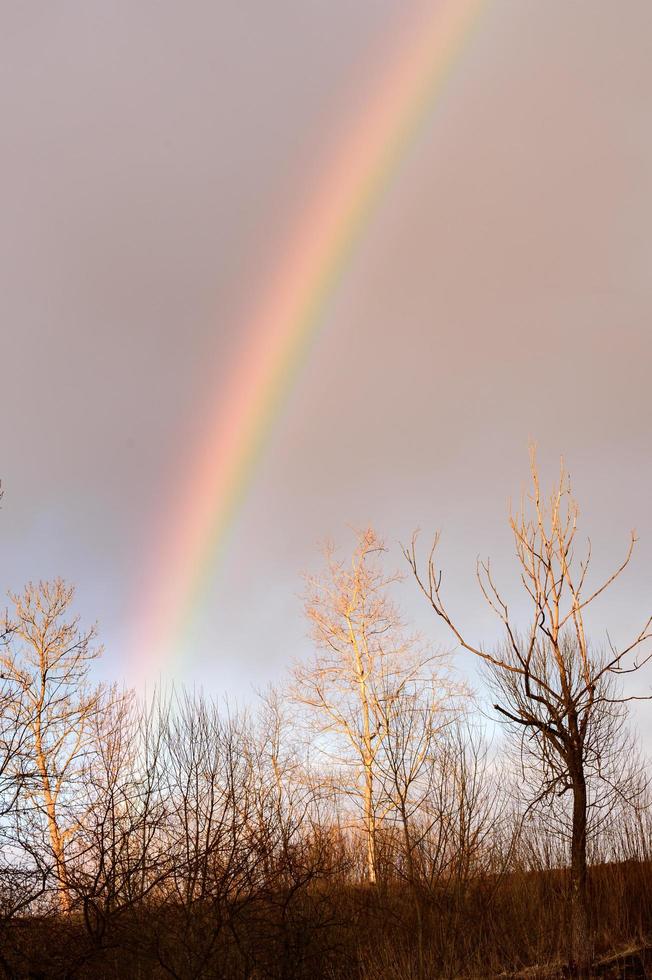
(287, 323)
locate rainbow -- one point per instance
(279, 336)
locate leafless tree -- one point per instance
(47, 662)
(117, 859)
(552, 685)
(364, 665)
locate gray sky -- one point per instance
(154, 154)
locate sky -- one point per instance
(155, 156)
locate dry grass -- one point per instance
(516, 928)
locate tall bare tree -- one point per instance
(48, 661)
(364, 664)
(553, 685)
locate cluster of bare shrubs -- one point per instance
(356, 822)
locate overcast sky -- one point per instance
(154, 155)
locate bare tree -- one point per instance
(364, 665)
(553, 686)
(48, 660)
(420, 774)
(118, 857)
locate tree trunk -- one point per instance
(56, 840)
(370, 823)
(580, 939)
(58, 851)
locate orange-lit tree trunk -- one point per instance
(56, 839)
(367, 750)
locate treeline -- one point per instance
(355, 821)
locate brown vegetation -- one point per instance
(357, 824)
